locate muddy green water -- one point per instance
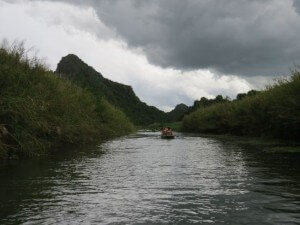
(142, 179)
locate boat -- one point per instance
(166, 133)
(167, 136)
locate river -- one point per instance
(143, 179)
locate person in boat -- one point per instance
(164, 131)
(169, 131)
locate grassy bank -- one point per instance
(39, 111)
(274, 112)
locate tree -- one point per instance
(240, 96)
(219, 98)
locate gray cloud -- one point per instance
(243, 37)
(297, 5)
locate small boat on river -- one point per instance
(166, 133)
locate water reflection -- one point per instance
(142, 179)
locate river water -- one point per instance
(142, 179)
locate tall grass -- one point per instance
(38, 110)
(274, 112)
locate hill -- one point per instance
(177, 113)
(73, 68)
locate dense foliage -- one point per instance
(38, 110)
(120, 95)
(274, 112)
(177, 113)
(205, 102)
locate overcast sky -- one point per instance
(169, 51)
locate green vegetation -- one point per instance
(205, 102)
(173, 121)
(39, 111)
(177, 113)
(274, 112)
(175, 126)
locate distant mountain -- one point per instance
(178, 112)
(73, 68)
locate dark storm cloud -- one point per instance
(243, 37)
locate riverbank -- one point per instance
(267, 145)
(272, 113)
(39, 111)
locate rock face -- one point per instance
(73, 68)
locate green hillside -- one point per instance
(120, 95)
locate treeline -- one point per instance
(274, 112)
(205, 102)
(39, 111)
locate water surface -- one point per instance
(142, 179)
